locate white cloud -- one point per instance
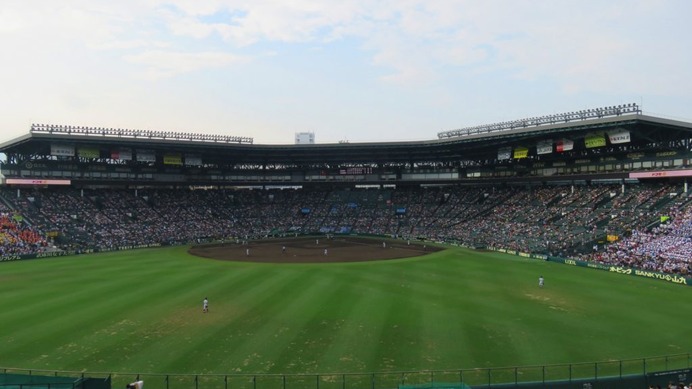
(11, 20)
(581, 45)
(453, 52)
(161, 64)
(246, 23)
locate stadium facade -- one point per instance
(589, 178)
(614, 143)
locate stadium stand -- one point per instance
(17, 238)
(606, 185)
(566, 221)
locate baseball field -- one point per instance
(294, 307)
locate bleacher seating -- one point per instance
(555, 220)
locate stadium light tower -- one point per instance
(128, 133)
(593, 113)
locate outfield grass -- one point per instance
(141, 311)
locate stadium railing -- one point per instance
(606, 374)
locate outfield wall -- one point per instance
(673, 278)
(52, 254)
(58, 380)
(676, 279)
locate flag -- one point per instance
(504, 153)
(544, 147)
(619, 136)
(521, 152)
(564, 144)
(594, 139)
(122, 154)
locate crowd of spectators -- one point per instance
(17, 237)
(666, 248)
(567, 221)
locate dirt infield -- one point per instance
(314, 250)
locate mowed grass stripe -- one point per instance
(120, 297)
(254, 336)
(300, 341)
(172, 330)
(347, 314)
(68, 305)
(106, 317)
(202, 342)
(389, 299)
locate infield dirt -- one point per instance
(312, 250)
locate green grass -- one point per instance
(140, 311)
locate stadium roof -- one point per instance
(236, 150)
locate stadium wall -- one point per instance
(676, 279)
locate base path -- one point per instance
(312, 250)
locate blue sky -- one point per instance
(353, 70)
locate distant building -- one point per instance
(304, 138)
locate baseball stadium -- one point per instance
(544, 252)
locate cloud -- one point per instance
(163, 64)
(405, 55)
(243, 24)
(579, 45)
(11, 21)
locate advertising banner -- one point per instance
(673, 278)
(619, 136)
(544, 147)
(62, 150)
(146, 156)
(88, 152)
(504, 153)
(193, 160)
(30, 181)
(172, 159)
(594, 139)
(662, 173)
(564, 144)
(521, 152)
(122, 154)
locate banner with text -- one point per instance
(521, 152)
(172, 159)
(62, 150)
(33, 181)
(544, 147)
(564, 144)
(193, 160)
(122, 154)
(594, 139)
(504, 153)
(619, 136)
(662, 173)
(146, 156)
(673, 278)
(88, 152)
